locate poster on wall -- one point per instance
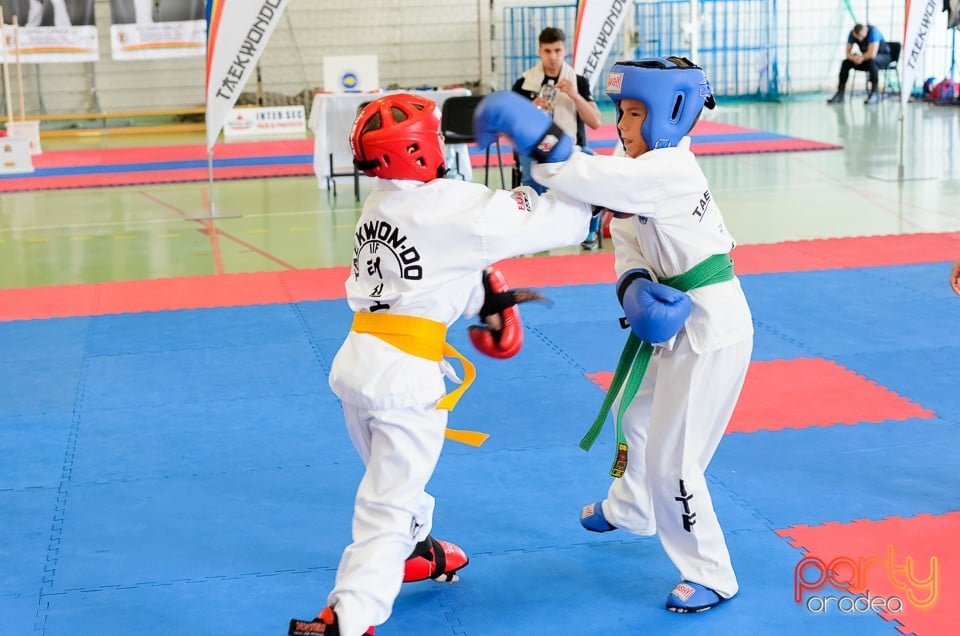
(151, 30)
(52, 30)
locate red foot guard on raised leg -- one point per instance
(325, 623)
(434, 559)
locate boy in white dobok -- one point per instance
(423, 248)
(691, 329)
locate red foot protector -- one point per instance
(325, 623)
(905, 569)
(435, 559)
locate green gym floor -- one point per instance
(127, 233)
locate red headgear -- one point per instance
(398, 137)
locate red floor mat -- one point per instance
(132, 165)
(807, 392)
(840, 253)
(910, 566)
(227, 290)
(814, 392)
(181, 152)
(707, 138)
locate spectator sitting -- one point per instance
(866, 51)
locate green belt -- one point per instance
(636, 356)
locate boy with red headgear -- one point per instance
(423, 248)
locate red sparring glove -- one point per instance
(501, 336)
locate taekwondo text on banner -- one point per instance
(598, 24)
(920, 16)
(147, 30)
(236, 39)
(57, 31)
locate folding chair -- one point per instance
(332, 184)
(893, 65)
(456, 124)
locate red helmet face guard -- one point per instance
(398, 137)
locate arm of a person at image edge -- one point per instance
(955, 278)
(588, 111)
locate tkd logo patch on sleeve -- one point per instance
(523, 201)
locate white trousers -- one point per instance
(392, 511)
(673, 427)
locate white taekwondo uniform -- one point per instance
(679, 415)
(419, 250)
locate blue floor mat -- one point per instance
(188, 472)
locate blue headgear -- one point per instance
(673, 89)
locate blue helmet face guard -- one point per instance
(673, 89)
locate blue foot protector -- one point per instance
(690, 598)
(591, 518)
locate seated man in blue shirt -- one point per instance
(866, 51)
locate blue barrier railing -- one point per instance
(737, 39)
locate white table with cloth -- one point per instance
(332, 115)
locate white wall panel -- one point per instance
(429, 42)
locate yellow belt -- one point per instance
(423, 338)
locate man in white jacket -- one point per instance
(691, 327)
(553, 86)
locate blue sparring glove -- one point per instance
(655, 312)
(531, 130)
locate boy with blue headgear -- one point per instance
(691, 337)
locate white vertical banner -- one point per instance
(236, 38)
(598, 25)
(920, 16)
